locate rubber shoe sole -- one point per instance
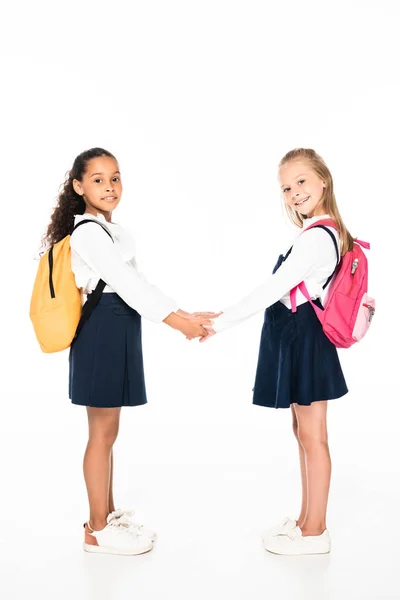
(105, 550)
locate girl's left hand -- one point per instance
(203, 315)
(207, 315)
(210, 333)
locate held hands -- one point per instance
(192, 325)
(195, 327)
(204, 320)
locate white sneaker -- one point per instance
(294, 542)
(123, 516)
(286, 525)
(115, 538)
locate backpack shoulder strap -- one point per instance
(94, 297)
(323, 224)
(333, 239)
(91, 221)
(320, 225)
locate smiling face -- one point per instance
(101, 186)
(302, 188)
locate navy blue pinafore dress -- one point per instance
(297, 363)
(105, 361)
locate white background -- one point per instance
(199, 101)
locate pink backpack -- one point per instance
(348, 310)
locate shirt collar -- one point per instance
(311, 220)
(98, 217)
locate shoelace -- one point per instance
(284, 522)
(121, 517)
(122, 527)
(293, 534)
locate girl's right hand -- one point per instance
(192, 328)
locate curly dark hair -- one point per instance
(69, 203)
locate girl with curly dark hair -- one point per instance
(105, 359)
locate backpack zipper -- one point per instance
(371, 311)
(354, 266)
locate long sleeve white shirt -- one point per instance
(95, 256)
(312, 260)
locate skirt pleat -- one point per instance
(106, 360)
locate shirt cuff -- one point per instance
(219, 324)
(166, 310)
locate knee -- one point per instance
(109, 437)
(106, 434)
(310, 439)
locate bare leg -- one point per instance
(304, 500)
(313, 437)
(103, 431)
(111, 506)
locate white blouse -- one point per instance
(312, 260)
(95, 256)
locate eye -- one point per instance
(286, 190)
(117, 179)
(96, 180)
(302, 181)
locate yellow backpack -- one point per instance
(56, 305)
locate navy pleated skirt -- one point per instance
(297, 363)
(105, 360)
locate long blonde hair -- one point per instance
(328, 200)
